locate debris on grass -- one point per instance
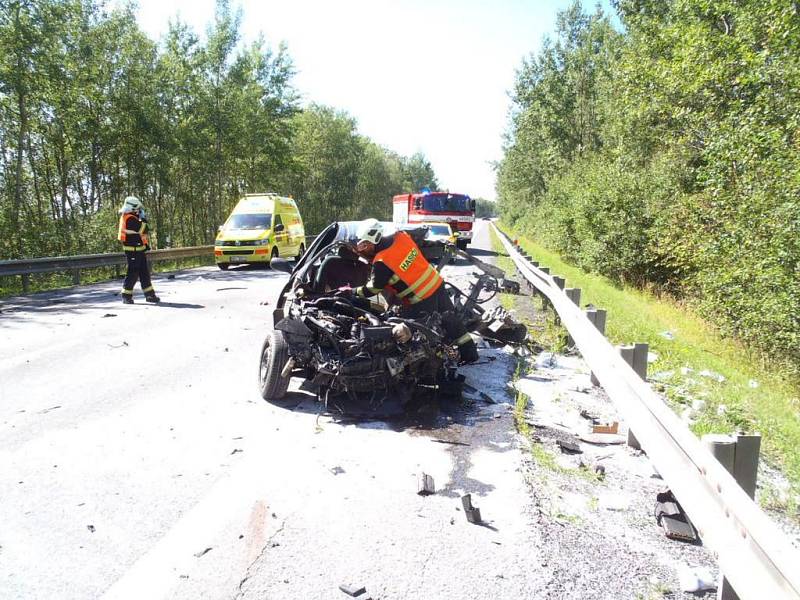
(696, 579)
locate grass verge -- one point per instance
(694, 362)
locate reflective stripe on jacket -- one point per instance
(405, 260)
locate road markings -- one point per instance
(156, 573)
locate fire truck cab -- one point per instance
(456, 209)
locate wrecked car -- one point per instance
(355, 351)
(348, 348)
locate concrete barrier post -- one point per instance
(26, 283)
(76, 277)
(559, 281)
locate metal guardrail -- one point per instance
(74, 264)
(753, 554)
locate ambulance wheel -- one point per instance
(274, 354)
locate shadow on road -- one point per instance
(100, 296)
(178, 305)
(482, 252)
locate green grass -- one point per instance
(757, 397)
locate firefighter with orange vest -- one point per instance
(133, 235)
(399, 268)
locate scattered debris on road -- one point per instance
(236, 451)
(473, 513)
(451, 442)
(122, 345)
(353, 590)
(203, 552)
(337, 470)
(90, 528)
(105, 316)
(605, 427)
(696, 579)
(568, 447)
(47, 410)
(425, 485)
(671, 516)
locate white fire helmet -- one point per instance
(370, 230)
(130, 204)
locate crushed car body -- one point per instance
(350, 350)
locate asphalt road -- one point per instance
(140, 461)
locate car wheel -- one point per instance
(223, 266)
(274, 354)
(300, 253)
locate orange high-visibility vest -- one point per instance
(405, 260)
(123, 225)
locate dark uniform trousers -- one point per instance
(137, 269)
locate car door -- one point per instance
(281, 235)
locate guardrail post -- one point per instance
(597, 317)
(559, 281)
(739, 455)
(640, 352)
(574, 294)
(76, 277)
(628, 354)
(26, 283)
(545, 270)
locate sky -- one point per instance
(418, 76)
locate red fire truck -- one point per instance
(444, 207)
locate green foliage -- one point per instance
(485, 208)
(91, 110)
(667, 156)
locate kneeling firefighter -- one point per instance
(399, 268)
(133, 235)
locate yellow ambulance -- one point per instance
(260, 228)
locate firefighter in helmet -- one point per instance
(133, 230)
(400, 269)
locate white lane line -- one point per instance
(156, 573)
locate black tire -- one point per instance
(274, 354)
(223, 266)
(462, 244)
(300, 253)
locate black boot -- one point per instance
(127, 299)
(152, 298)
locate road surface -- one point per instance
(140, 461)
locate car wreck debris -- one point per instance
(425, 485)
(473, 513)
(358, 353)
(353, 590)
(672, 518)
(569, 447)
